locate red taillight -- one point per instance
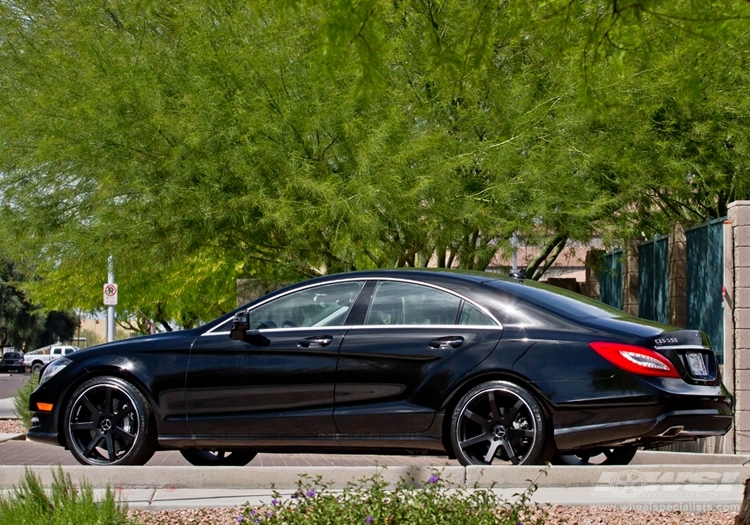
(635, 359)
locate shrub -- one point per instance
(30, 504)
(21, 401)
(371, 502)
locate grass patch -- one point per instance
(64, 504)
(21, 401)
(371, 502)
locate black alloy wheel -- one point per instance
(598, 456)
(109, 422)
(218, 458)
(499, 420)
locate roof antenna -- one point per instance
(519, 274)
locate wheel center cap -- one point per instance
(105, 425)
(498, 432)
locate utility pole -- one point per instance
(108, 299)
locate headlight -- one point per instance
(53, 368)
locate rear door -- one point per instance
(395, 369)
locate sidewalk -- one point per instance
(7, 409)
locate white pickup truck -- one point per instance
(36, 359)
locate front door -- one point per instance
(280, 380)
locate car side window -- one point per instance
(396, 303)
(471, 315)
(326, 305)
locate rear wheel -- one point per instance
(598, 456)
(499, 421)
(218, 458)
(108, 421)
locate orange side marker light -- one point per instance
(44, 407)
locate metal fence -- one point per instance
(653, 279)
(705, 267)
(610, 279)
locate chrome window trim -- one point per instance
(369, 327)
(499, 325)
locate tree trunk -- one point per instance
(743, 518)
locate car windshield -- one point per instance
(12, 355)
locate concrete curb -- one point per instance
(4, 436)
(287, 478)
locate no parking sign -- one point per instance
(110, 294)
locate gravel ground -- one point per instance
(11, 426)
(557, 515)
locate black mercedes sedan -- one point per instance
(470, 365)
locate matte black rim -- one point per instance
(494, 425)
(104, 424)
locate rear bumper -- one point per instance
(676, 425)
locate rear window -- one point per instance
(559, 301)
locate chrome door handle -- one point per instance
(315, 342)
(446, 343)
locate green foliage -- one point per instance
(59, 326)
(21, 401)
(201, 142)
(30, 504)
(23, 324)
(19, 320)
(371, 501)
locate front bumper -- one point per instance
(45, 425)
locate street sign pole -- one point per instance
(110, 309)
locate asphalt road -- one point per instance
(10, 383)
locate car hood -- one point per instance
(177, 339)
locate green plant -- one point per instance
(21, 401)
(371, 502)
(64, 504)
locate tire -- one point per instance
(108, 421)
(597, 456)
(36, 368)
(218, 458)
(499, 420)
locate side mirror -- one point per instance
(240, 326)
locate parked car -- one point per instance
(469, 365)
(36, 359)
(12, 361)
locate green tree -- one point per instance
(20, 321)
(200, 142)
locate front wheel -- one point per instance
(108, 421)
(598, 456)
(36, 368)
(218, 458)
(499, 421)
